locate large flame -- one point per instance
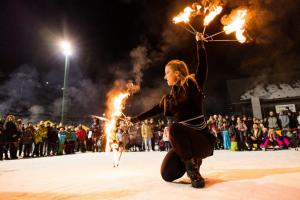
(215, 10)
(183, 16)
(237, 25)
(115, 111)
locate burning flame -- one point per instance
(237, 25)
(212, 14)
(115, 112)
(183, 16)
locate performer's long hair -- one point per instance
(182, 68)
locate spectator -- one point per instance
(81, 138)
(28, 139)
(38, 139)
(232, 121)
(52, 139)
(270, 141)
(225, 134)
(154, 136)
(120, 139)
(166, 141)
(61, 140)
(12, 135)
(70, 140)
(21, 129)
(210, 121)
(242, 134)
(214, 132)
(293, 120)
(284, 119)
(43, 130)
(233, 137)
(255, 138)
(272, 121)
(96, 133)
(147, 135)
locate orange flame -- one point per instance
(237, 24)
(183, 16)
(115, 111)
(212, 14)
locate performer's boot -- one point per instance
(193, 174)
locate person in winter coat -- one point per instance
(272, 121)
(52, 139)
(81, 138)
(28, 139)
(12, 133)
(38, 139)
(61, 140)
(255, 138)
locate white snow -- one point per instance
(229, 175)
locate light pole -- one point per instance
(67, 51)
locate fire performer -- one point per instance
(189, 136)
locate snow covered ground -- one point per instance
(229, 175)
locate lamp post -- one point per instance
(67, 51)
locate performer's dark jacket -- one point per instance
(185, 100)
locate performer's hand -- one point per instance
(200, 38)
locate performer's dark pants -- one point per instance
(187, 144)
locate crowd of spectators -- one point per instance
(236, 133)
(244, 133)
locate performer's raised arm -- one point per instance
(202, 68)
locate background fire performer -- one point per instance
(189, 135)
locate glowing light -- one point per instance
(237, 24)
(66, 47)
(115, 111)
(183, 16)
(212, 14)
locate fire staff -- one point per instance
(189, 136)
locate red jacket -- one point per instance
(81, 134)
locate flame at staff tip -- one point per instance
(237, 25)
(183, 16)
(115, 111)
(212, 14)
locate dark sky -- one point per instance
(105, 33)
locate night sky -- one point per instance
(105, 33)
